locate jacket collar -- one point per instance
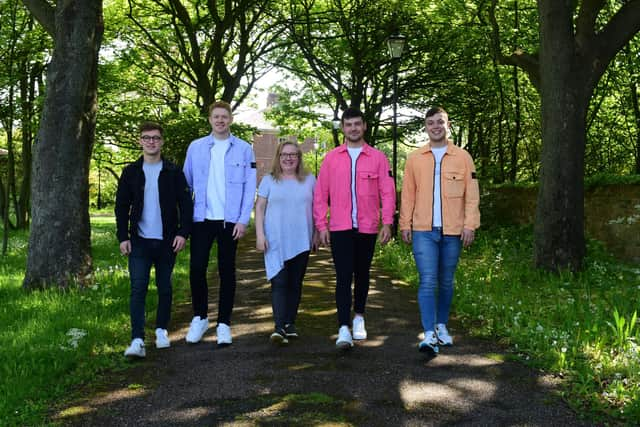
(450, 148)
(366, 148)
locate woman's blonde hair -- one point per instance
(276, 169)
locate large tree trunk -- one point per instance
(59, 242)
(565, 95)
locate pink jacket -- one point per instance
(374, 185)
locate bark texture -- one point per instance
(59, 243)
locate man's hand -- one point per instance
(323, 238)
(125, 247)
(406, 236)
(385, 234)
(467, 237)
(238, 231)
(178, 244)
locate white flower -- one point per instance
(539, 328)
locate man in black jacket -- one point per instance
(153, 219)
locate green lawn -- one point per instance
(581, 327)
(51, 340)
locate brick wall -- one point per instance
(612, 214)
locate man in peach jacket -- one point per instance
(439, 214)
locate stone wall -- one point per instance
(612, 214)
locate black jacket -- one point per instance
(176, 205)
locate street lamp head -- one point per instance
(395, 43)
(316, 145)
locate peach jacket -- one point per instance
(460, 193)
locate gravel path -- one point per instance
(383, 381)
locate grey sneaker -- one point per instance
(291, 330)
(136, 349)
(429, 344)
(443, 335)
(344, 341)
(279, 337)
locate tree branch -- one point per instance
(44, 13)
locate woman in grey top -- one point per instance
(285, 233)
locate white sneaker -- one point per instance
(359, 332)
(344, 340)
(197, 329)
(429, 344)
(162, 338)
(443, 335)
(136, 349)
(224, 334)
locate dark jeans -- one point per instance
(202, 237)
(352, 253)
(286, 290)
(144, 254)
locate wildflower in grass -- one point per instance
(539, 328)
(75, 335)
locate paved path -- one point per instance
(383, 381)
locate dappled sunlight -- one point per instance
(414, 393)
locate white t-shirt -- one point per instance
(216, 180)
(438, 153)
(354, 153)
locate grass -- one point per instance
(580, 326)
(54, 340)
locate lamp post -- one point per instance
(395, 43)
(316, 147)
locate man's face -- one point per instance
(437, 127)
(220, 120)
(353, 129)
(151, 142)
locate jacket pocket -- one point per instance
(453, 184)
(236, 172)
(367, 183)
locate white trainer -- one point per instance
(429, 344)
(443, 335)
(162, 338)
(197, 329)
(224, 334)
(359, 332)
(136, 349)
(344, 340)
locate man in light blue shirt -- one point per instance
(221, 171)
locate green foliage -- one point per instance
(53, 340)
(578, 326)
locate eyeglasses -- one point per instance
(289, 155)
(154, 138)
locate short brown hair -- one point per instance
(148, 125)
(435, 110)
(220, 104)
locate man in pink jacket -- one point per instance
(353, 183)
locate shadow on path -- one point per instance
(383, 381)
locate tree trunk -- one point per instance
(565, 94)
(59, 243)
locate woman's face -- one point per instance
(289, 159)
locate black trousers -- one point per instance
(286, 290)
(202, 237)
(352, 253)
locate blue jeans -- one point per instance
(286, 290)
(436, 258)
(144, 254)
